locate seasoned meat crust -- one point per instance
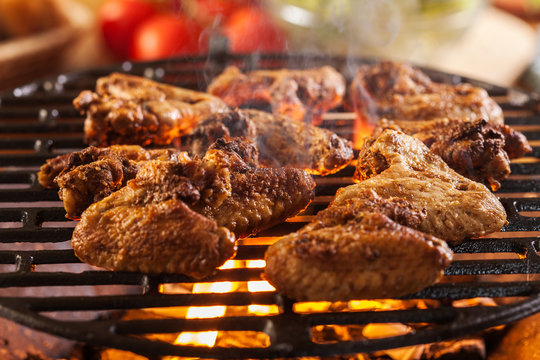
(127, 109)
(397, 165)
(399, 91)
(127, 232)
(50, 170)
(189, 212)
(91, 174)
(357, 250)
(473, 149)
(67, 162)
(460, 123)
(281, 141)
(299, 94)
(247, 200)
(396, 209)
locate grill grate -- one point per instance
(37, 121)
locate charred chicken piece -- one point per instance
(397, 165)
(136, 229)
(179, 217)
(247, 199)
(66, 162)
(91, 174)
(399, 91)
(281, 141)
(461, 123)
(299, 94)
(127, 109)
(360, 249)
(50, 170)
(473, 149)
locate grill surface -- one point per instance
(37, 121)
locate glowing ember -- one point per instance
(257, 286)
(322, 334)
(206, 338)
(255, 264)
(373, 331)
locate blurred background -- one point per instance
(495, 41)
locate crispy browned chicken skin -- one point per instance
(91, 174)
(461, 123)
(180, 216)
(299, 94)
(280, 140)
(127, 109)
(397, 165)
(247, 199)
(399, 91)
(473, 149)
(135, 229)
(360, 249)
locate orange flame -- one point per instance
(320, 333)
(206, 338)
(257, 286)
(362, 128)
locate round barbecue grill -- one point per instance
(38, 121)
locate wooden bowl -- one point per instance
(27, 58)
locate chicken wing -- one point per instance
(280, 140)
(397, 165)
(461, 123)
(91, 174)
(248, 199)
(66, 162)
(127, 109)
(359, 249)
(181, 216)
(299, 94)
(399, 91)
(472, 149)
(133, 231)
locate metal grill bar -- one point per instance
(37, 121)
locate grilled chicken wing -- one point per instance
(66, 162)
(399, 91)
(127, 109)
(359, 249)
(461, 123)
(50, 170)
(134, 229)
(180, 216)
(246, 199)
(397, 165)
(472, 149)
(91, 174)
(280, 140)
(299, 94)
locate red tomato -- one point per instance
(210, 10)
(166, 35)
(208, 13)
(118, 20)
(251, 29)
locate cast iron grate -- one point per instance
(37, 121)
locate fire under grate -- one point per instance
(38, 121)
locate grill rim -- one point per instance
(22, 312)
(465, 321)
